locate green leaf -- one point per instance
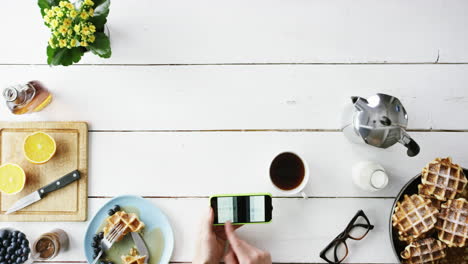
(64, 56)
(43, 4)
(101, 10)
(101, 45)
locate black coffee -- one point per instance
(287, 171)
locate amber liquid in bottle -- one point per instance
(28, 98)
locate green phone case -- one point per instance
(243, 194)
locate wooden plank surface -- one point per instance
(67, 204)
(200, 164)
(241, 97)
(260, 31)
(300, 228)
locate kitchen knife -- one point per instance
(141, 246)
(42, 192)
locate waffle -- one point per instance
(442, 179)
(456, 256)
(424, 251)
(133, 258)
(414, 217)
(452, 225)
(130, 221)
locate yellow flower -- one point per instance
(60, 14)
(70, 32)
(73, 42)
(51, 13)
(62, 3)
(54, 23)
(73, 14)
(63, 30)
(56, 9)
(85, 31)
(76, 28)
(84, 43)
(56, 33)
(92, 28)
(91, 38)
(84, 15)
(89, 2)
(62, 43)
(67, 22)
(47, 19)
(69, 6)
(51, 41)
(91, 12)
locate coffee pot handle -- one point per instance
(413, 148)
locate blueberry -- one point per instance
(94, 244)
(6, 243)
(26, 250)
(110, 212)
(2, 251)
(10, 250)
(94, 256)
(96, 251)
(96, 239)
(13, 245)
(2, 258)
(21, 235)
(24, 258)
(4, 234)
(7, 256)
(25, 242)
(101, 235)
(116, 208)
(3, 262)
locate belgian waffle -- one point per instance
(133, 258)
(456, 256)
(452, 225)
(424, 251)
(442, 179)
(131, 223)
(414, 217)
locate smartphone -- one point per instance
(242, 208)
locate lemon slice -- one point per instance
(12, 178)
(39, 147)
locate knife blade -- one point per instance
(141, 246)
(42, 192)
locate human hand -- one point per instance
(211, 242)
(241, 252)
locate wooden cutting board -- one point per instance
(67, 204)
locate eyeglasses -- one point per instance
(357, 229)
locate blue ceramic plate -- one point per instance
(151, 215)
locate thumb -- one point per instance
(234, 240)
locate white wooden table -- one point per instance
(200, 95)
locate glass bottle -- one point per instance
(50, 244)
(27, 98)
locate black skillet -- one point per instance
(410, 188)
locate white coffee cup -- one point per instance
(300, 187)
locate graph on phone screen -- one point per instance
(241, 209)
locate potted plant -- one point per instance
(76, 28)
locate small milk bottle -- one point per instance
(369, 176)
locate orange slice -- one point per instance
(12, 178)
(39, 147)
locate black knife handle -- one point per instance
(60, 183)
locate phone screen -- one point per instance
(242, 209)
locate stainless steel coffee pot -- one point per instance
(379, 121)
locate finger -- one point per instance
(234, 240)
(207, 222)
(230, 257)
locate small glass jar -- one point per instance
(27, 98)
(50, 244)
